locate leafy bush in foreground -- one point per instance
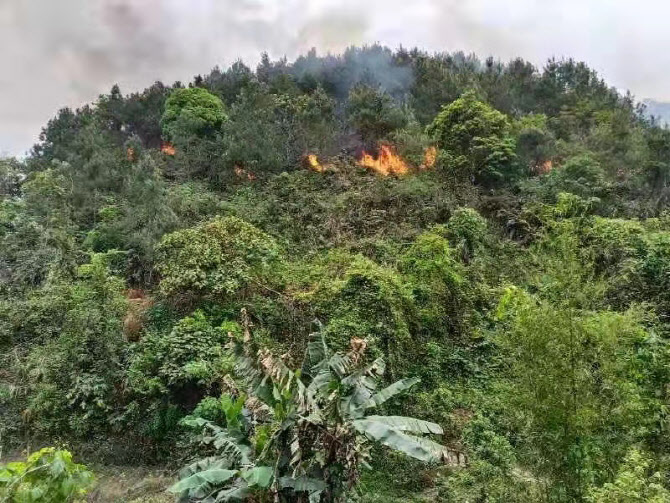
(47, 476)
(304, 434)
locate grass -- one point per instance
(131, 484)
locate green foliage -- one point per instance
(374, 114)
(478, 136)
(191, 112)
(582, 381)
(36, 232)
(634, 482)
(359, 298)
(121, 262)
(73, 377)
(47, 476)
(10, 178)
(270, 133)
(221, 256)
(535, 144)
(190, 354)
(467, 230)
(438, 283)
(319, 423)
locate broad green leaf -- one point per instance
(302, 484)
(232, 494)
(229, 446)
(260, 476)
(317, 350)
(410, 424)
(390, 391)
(418, 448)
(213, 476)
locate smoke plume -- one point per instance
(66, 52)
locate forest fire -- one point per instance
(168, 149)
(386, 163)
(429, 157)
(544, 167)
(313, 163)
(243, 173)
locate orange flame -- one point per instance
(543, 167)
(168, 149)
(243, 173)
(313, 163)
(429, 157)
(386, 163)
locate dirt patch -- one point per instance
(123, 484)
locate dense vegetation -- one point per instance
(220, 276)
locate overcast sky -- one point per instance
(55, 53)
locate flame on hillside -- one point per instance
(168, 149)
(429, 157)
(543, 167)
(313, 163)
(387, 162)
(243, 173)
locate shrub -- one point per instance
(47, 476)
(191, 112)
(219, 257)
(467, 231)
(359, 298)
(635, 482)
(73, 378)
(477, 134)
(438, 282)
(190, 354)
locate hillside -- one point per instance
(381, 276)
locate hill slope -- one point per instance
(498, 231)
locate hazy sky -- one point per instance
(55, 53)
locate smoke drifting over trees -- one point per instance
(67, 52)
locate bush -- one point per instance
(191, 112)
(190, 355)
(359, 298)
(438, 283)
(477, 134)
(219, 257)
(635, 482)
(73, 378)
(467, 231)
(47, 476)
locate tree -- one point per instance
(478, 136)
(535, 143)
(272, 132)
(374, 114)
(74, 376)
(10, 178)
(581, 378)
(191, 113)
(315, 425)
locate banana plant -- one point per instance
(321, 425)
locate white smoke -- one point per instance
(55, 53)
